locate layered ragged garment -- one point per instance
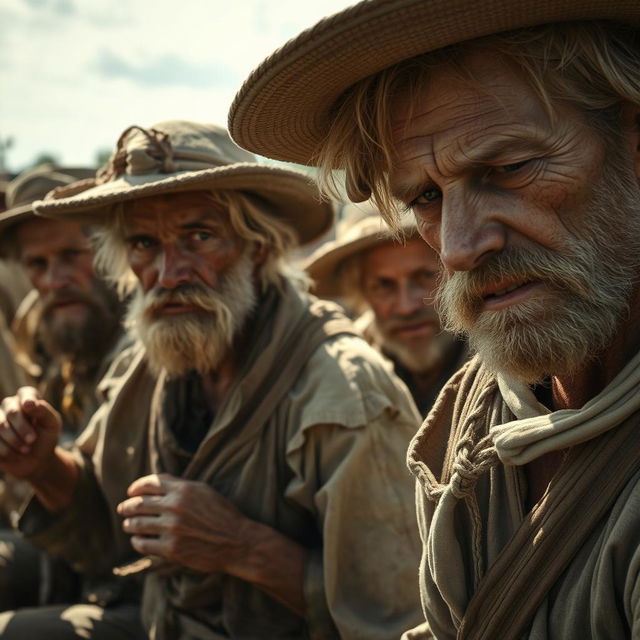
(326, 468)
(568, 569)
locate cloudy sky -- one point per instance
(75, 73)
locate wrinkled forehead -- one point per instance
(461, 115)
(167, 212)
(452, 93)
(393, 258)
(36, 233)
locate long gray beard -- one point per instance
(194, 341)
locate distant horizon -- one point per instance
(76, 73)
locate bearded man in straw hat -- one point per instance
(248, 462)
(390, 283)
(512, 131)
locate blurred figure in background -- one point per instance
(68, 331)
(390, 284)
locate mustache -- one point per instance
(67, 296)
(188, 294)
(560, 271)
(397, 322)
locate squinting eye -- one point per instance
(427, 196)
(201, 236)
(514, 166)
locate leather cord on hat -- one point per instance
(118, 162)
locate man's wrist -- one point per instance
(55, 482)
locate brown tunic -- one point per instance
(327, 469)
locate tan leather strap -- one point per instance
(580, 495)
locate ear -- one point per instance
(631, 130)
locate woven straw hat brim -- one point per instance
(324, 265)
(293, 195)
(283, 109)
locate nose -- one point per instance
(469, 231)
(57, 277)
(174, 268)
(410, 298)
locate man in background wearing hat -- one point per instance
(252, 453)
(14, 285)
(391, 284)
(69, 331)
(512, 131)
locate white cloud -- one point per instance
(75, 74)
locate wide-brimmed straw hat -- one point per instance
(361, 229)
(32, 185)
(284, 108)
(178, 155)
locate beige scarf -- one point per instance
(538, 431)
(486, 434)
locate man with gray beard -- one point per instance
(247, 465)
(390, 282)
(511, 131)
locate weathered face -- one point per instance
(195, 275)
(179, 239)
(78, 309)
(523, 213)
(398, 283)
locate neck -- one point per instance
(573, 391)
(217, 383)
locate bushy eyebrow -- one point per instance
(201, 224)
(472, 154)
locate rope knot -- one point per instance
(156, 155)
(471, 462)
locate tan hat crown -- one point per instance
(170, 147)
(180, 156)
(34, 184)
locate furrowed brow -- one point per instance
(497, 147)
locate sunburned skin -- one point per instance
(180, 239)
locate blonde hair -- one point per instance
(594, 66)
(253, 220)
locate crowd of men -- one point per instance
(202, 437)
